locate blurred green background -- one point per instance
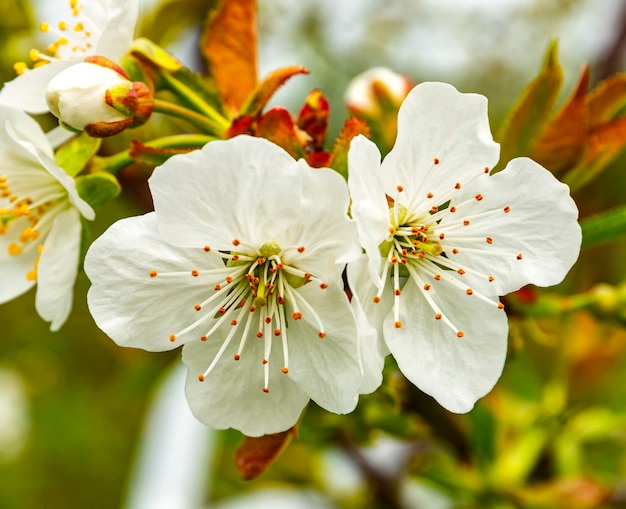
(553, 432)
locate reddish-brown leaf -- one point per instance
(264, 91)
(241, 125)
(153, 155)
(606, 99)
(277, 125)
(351, 128)
(229, 46)
(255, 454)
(561, 143)
(313, 119)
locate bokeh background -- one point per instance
(74, 407)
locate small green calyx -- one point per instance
(121, 97)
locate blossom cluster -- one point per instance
(282, 282)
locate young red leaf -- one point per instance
(229, 46)
(562, 141)
(255, 454)
(264, 91)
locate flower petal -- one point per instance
(369, 205)
(231, 395)
(363, 286)
(530, 221)
(328, 369)
(129, 305)
(372, 355)
(119, 30)
(456, 371)
(13, 268)
(58, 266)
(28, 91)
(232, 189)
(252, 190)
(28, 136)
(443, 136)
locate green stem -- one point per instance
(115, 163)
(200, 121)
(199, 104)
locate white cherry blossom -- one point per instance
(445, 238)
(241, 263)
(91, 27)
(40, 225)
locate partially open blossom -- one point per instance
(94, 27)
(97, 96)
(375, 90)
(241, 263)
(445, 238)
(40, 225)
(375, 96)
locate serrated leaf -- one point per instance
(351, 128)
(561, 143)
(526, 120)
(98, 188)
(255, 454)
(277, 126)
(266, 89)
(74, 155)
(606, 99)
(603, 228)
(229, 46)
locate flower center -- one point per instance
(256, 296)
(420, 248)
(26, 215)
(73, 39)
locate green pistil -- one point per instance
(270, 248)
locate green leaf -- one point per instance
(98, 188)
(528, 117)
(76, 153)
(604, 227)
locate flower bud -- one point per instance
(97, 96)
(375, 97)
(376, 91)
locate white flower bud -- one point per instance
(364, 92)
(77, 95)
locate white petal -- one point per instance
(328, 369)
(231, 395)
(369, 204)
(28, 91)
(372, 356)
(361, 284)
(58, 266)
(252, 190)
(322, 223)
(455, 371)
(27, 135)
(13, 268)
(133, 308)
(541, 226)
(436, 121)
(22, 127)
(119, 30)
(231, 189)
